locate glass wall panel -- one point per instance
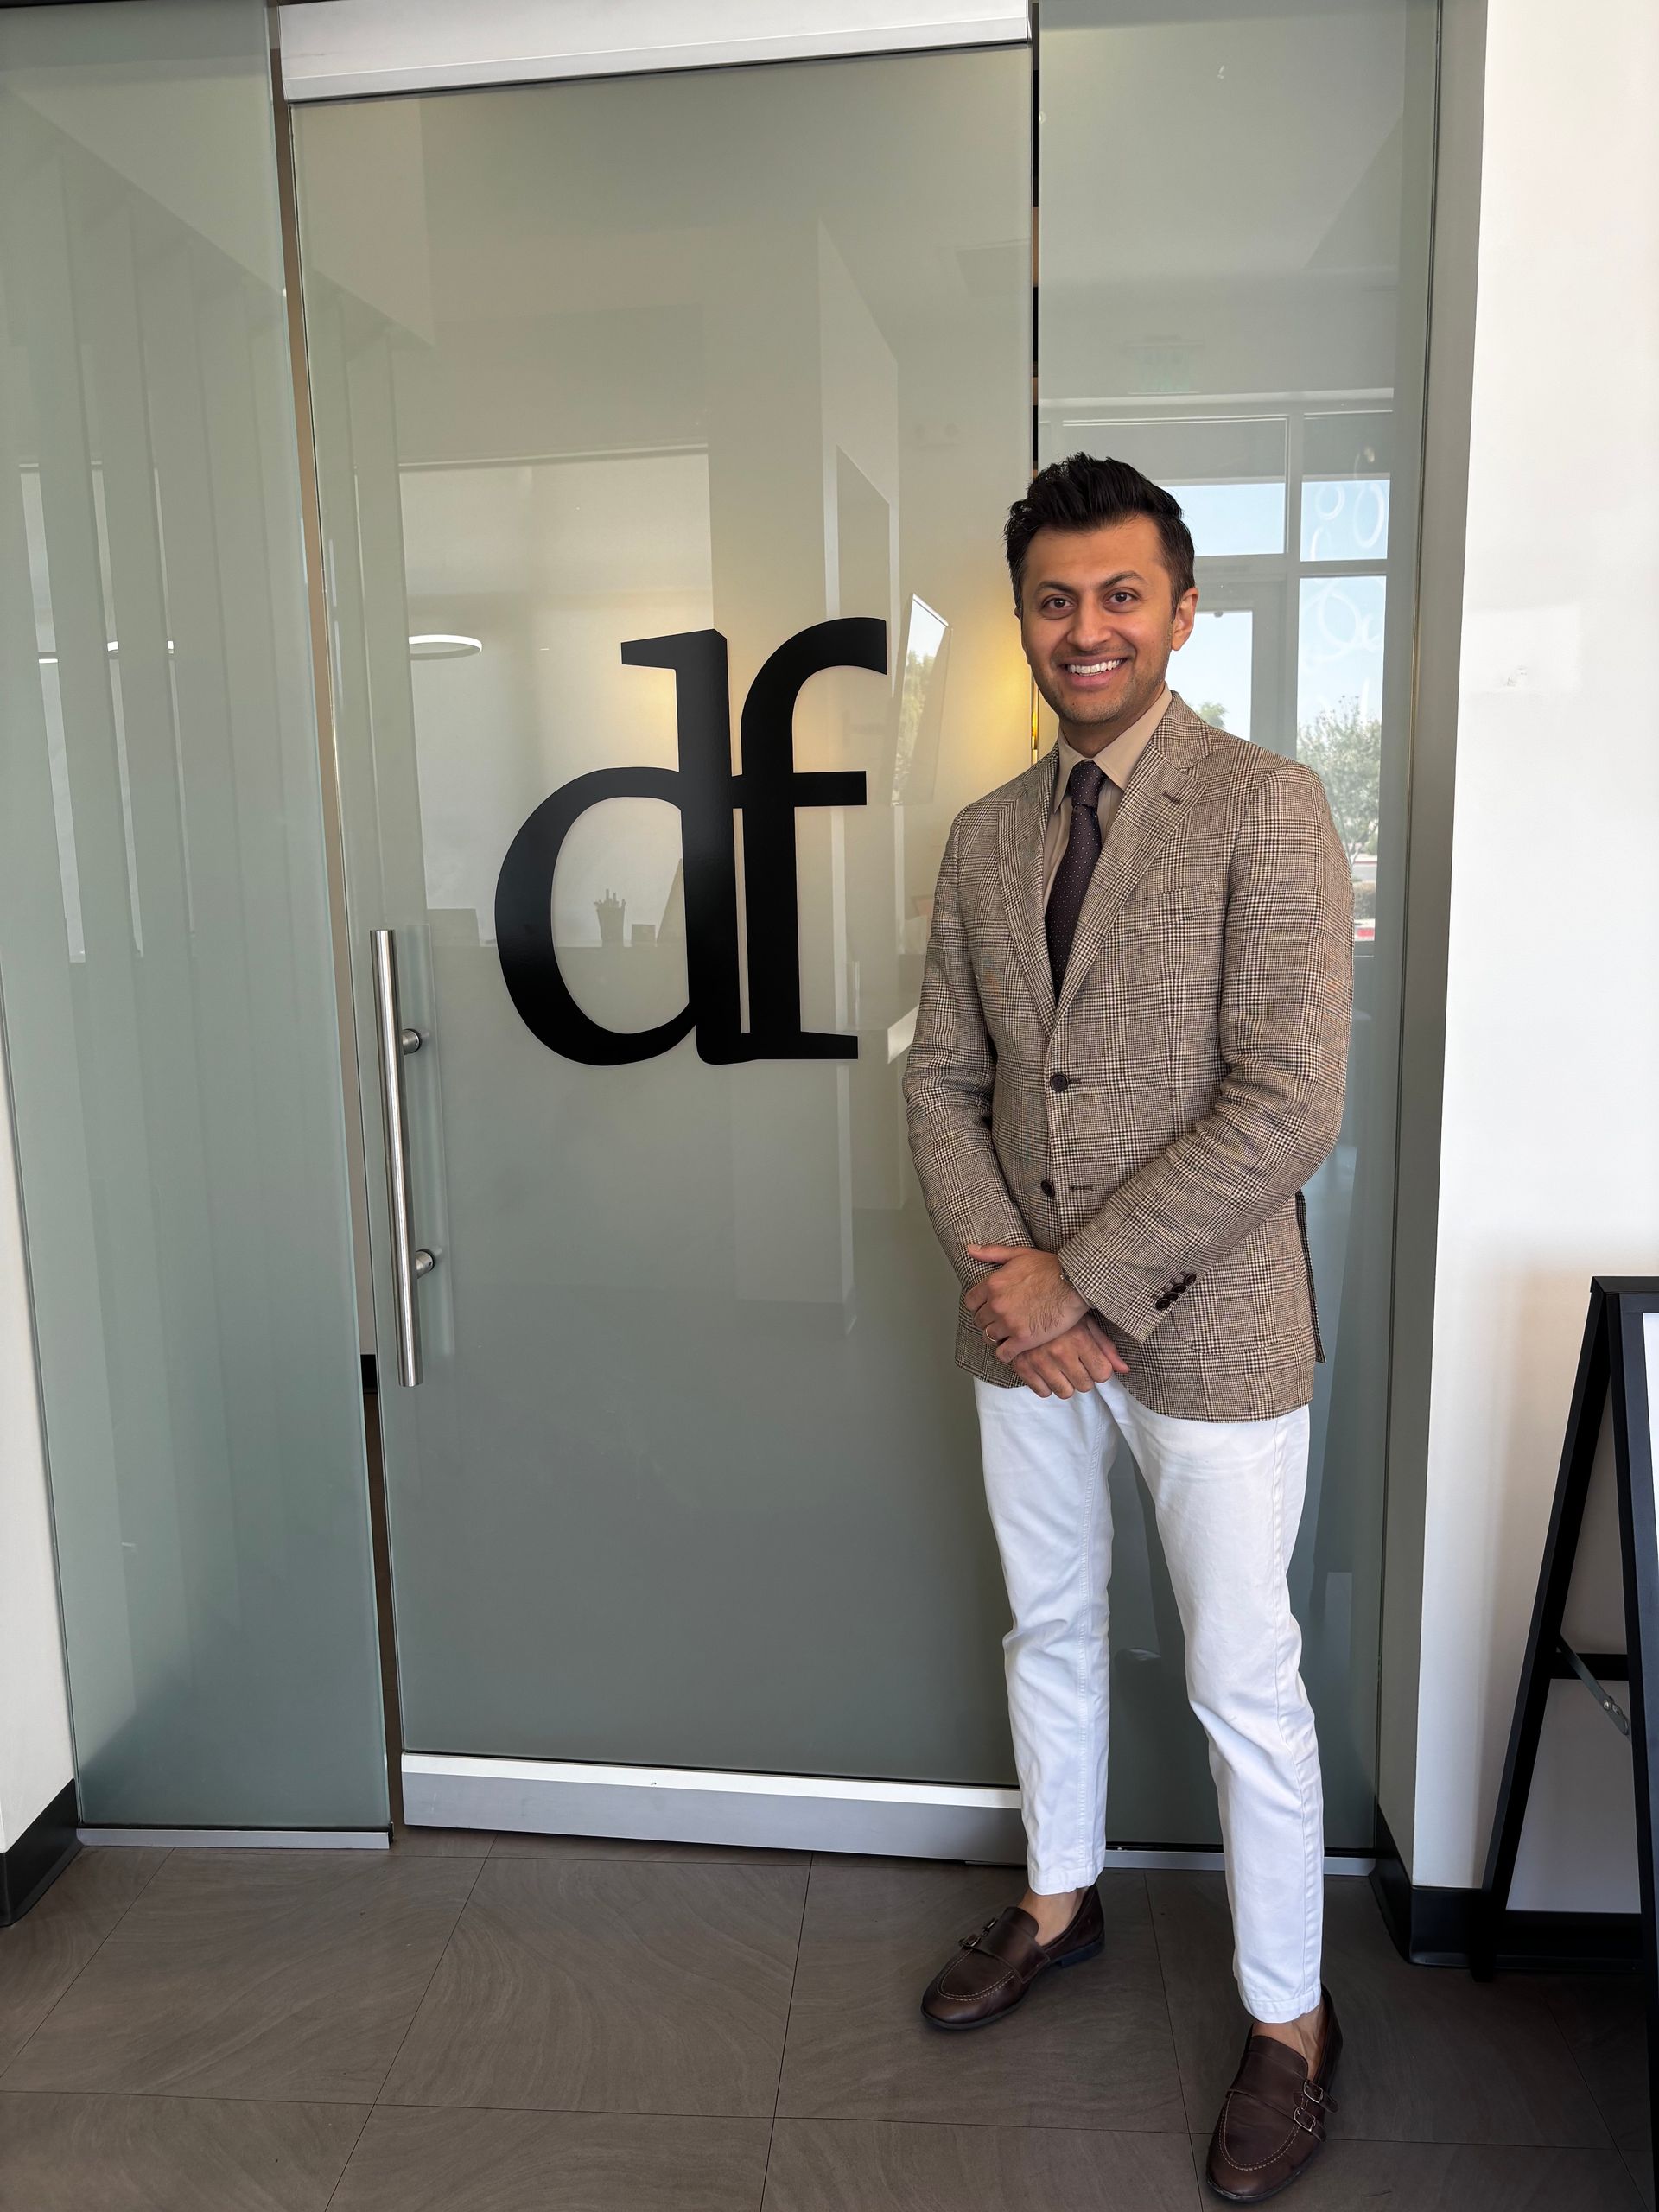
(1235, 201)
(618, 389)
(164, 952)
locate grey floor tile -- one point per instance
(851, 2165)
(63, 2154)
(577, 1985)
(443, 1843)
(47, 1948)
(1089, 2046)
(514, 1845)
(1429, 2054)
(1603, 2018)
(1455, 2177)
(255, 1973)
(413, 2160)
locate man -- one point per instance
(1129, 1056)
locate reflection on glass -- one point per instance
(1340, 647)
(1220, 446)
(1347, 456)
(1345, 521)
(1339, 718)
(919, 701)
(1227, 519)
(1214, 670)
(1258, 345)
(1228, 471)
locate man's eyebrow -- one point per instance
(1106, 583)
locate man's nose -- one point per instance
(1090, 630)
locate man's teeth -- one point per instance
(1094, 667)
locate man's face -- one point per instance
(1099, 621)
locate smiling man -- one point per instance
(1130, 1057)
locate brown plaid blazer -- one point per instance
(1155, 1128)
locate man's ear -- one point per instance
(1186, 613)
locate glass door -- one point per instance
(664, 431)
(1256, 340)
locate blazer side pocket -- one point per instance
(1307, 1262)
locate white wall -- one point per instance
(1549, 1148)
(35, 1759)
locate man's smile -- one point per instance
(1092, 675)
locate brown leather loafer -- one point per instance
(1272, 2122)
(996, 1965)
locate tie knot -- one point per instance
(1083, 786)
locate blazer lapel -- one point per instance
(1164, 779)
(1019, 866)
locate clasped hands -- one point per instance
(1036, 1323)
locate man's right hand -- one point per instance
(1076, 1361)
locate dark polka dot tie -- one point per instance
(1077, 868)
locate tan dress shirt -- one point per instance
(1115, 762)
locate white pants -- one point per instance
(1228, 1496)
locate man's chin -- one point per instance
(1088, 709)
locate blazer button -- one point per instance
(1046, 1187)
(1059, 1083)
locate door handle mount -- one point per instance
(409, 1262)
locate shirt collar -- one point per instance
(1118, 758)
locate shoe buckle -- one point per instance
(1310, 2109)
(971, 1943)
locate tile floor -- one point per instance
(551, 2025)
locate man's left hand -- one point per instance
(1025, 1301)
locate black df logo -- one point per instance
(768, 790)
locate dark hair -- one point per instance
(1082, 493)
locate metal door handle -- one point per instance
(409, 1262)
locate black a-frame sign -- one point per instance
(1618, 1367)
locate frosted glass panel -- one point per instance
(625, 389)
(164, 953)
(1253, 337)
